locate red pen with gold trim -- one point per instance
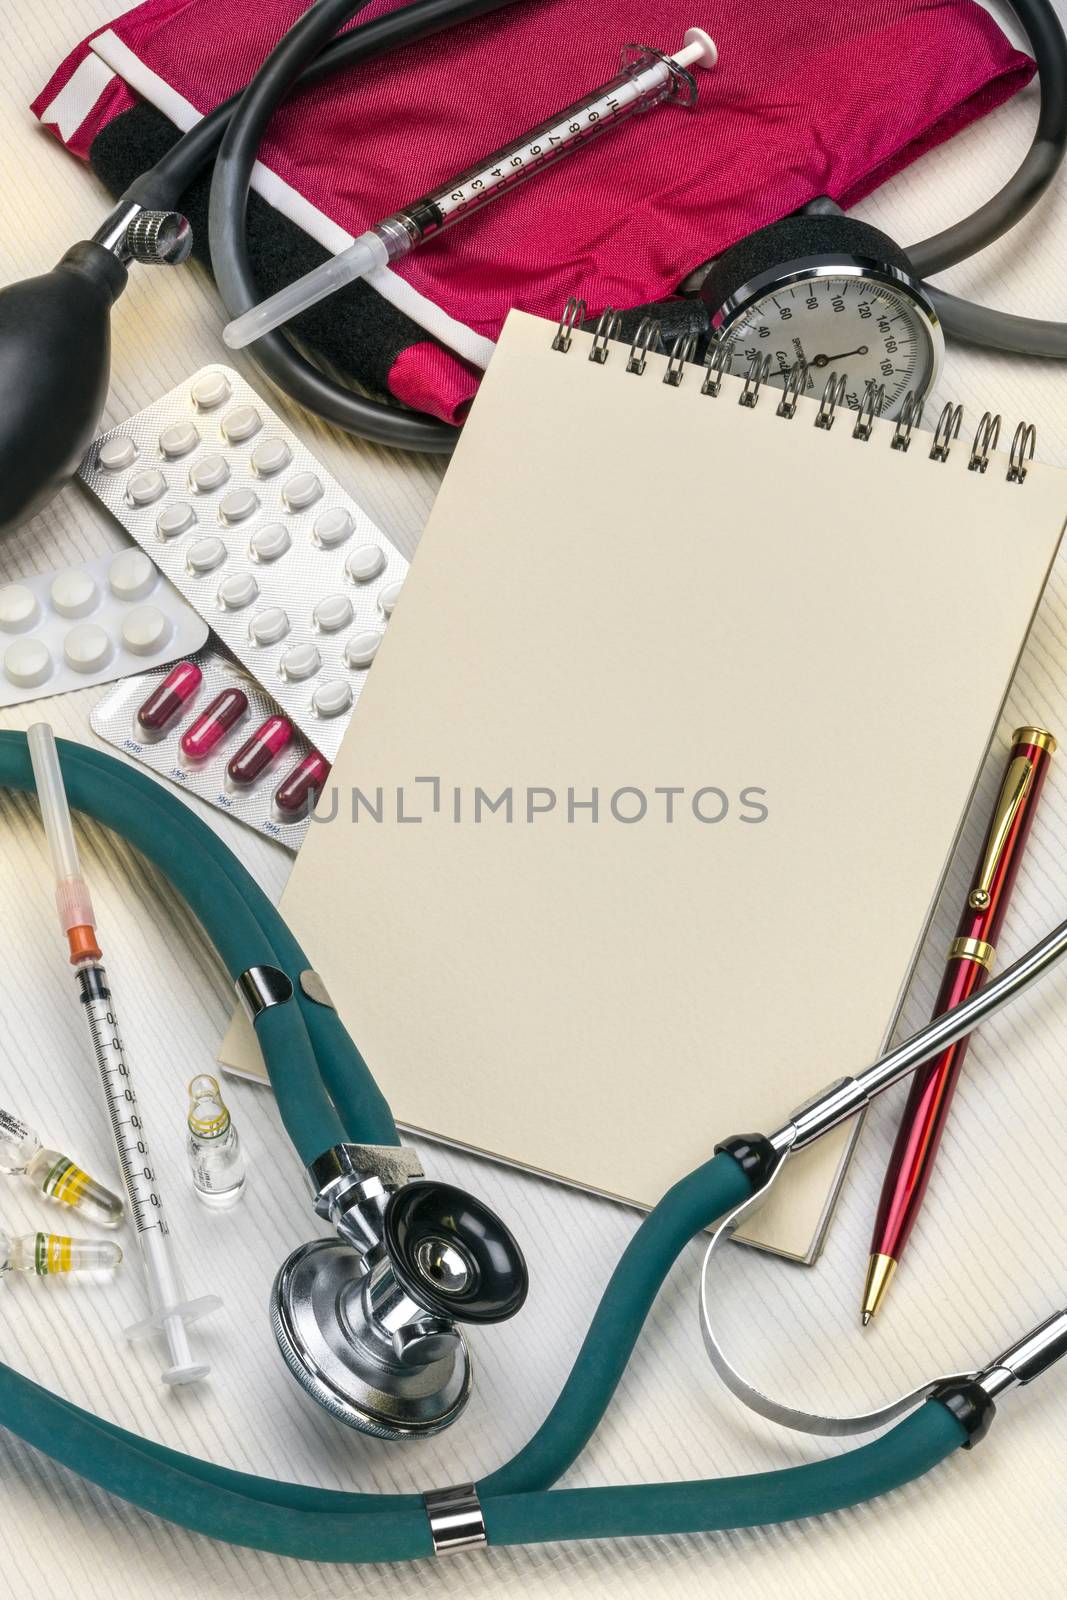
(970, 962)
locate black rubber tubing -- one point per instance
(306, 54)
(235, 130)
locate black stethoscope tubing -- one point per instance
(309, 51)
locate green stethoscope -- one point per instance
(410, 1253)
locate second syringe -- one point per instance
(170, 1312)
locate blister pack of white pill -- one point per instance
(76, 626)
(210, 729)
(285, 567)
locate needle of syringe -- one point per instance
(645, 81)
(170, 1311)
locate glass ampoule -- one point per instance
(216, 1160)
(46, 1255)
(54, 1174)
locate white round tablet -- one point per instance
(145, 630)
(27, 663)
(179, 439)
(117, 452)
(365, 563)
(238, 591)
(333, 527)
(73, 593)
(270, 457)
(362, 648)
(210, 390)
(301, 661)
(174, 519)
(270, 542)
(241, 423)
(389, 597)
(333, 613)
(268, 626)
(144, 487)
(86, 647)
(132, 575)
(209, 473)
(206, 554)
(332, 698)
(238, 504)
(19, 609)
(301, 491)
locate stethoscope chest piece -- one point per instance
(367, 1323)
(337, 1347)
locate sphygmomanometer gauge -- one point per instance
(835, 294)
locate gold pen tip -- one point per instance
(879, 1271)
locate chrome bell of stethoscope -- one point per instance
(367, 1322)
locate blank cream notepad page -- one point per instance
(773, 655)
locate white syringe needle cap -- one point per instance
(73, 901)
(52, 797)
(362, 256)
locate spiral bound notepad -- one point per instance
(723, 664)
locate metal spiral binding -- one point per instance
(1022, 452)
(573, 314)
(832, 395)
(911, 415)
(759, 370)
(682, 350)
(948, 428)
(607, 328)
(870, 406)
(717, 362)
(985, 440)
(796, 382)
(648, 339)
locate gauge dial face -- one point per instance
(873, 331)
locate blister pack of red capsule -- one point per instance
(284, 566)
(210, 729)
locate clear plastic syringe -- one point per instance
(648, 77)
(171, 1312)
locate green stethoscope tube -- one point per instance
(325, 1525)
(227, 900)
(302, 1041)
(707, 1505)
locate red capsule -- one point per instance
(169, 698)
(213, 724)
(257, 753)
(296, 795)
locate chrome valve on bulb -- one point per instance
(367, 1322)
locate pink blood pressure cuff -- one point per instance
(804, 102)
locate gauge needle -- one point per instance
(824, 361)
